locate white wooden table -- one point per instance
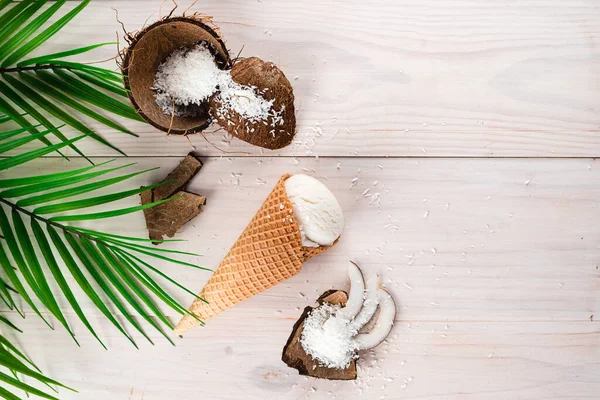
(475, 122)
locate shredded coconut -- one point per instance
(189, 77)
(328, 338)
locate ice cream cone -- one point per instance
(268, 252)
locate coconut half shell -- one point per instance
(151, 47)
(262, 75)
(295, 356)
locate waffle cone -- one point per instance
(268, 252)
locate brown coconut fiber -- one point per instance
(151, 47)
(167, 218)
(268, 252)
(260, 74)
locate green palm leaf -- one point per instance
(14, 279)
(5, 291)
(105, 256)
(5, 344)
(44, 36)
(81, 279)
(127, 238)
(91, 202)
(13, 144)
(15, 132)
(63, 194)
(153, 286)
(93, 96)
(19, 27)
(163, 275)
(7, 322)
(14, 18)
(96, 71)
(125, 286)
(18, 38)
(30, 180)
(13, 247)
(48, 58)
(22, 121)
(43, 289)
(38, 94)
(57, 112)
(4, 119)
(90, 262)
(106, 272)
(100, 82)
(57, 183)
(4, 3)
(13, 363)
(148, 248)
(109, 214)
(69, 102)
(25, 387)
(44, 246)
(33, 154)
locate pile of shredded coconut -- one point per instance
(328, 337)
(191, 76)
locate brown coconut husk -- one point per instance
(262, 75)
(167, 218)
(295, 356)
(149, 48)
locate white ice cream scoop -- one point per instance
(317, 211)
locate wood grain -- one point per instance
(399, 78)
(493, 263)
(239, 357)
(459, 137)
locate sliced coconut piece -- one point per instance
(369, 306)
(355, 294)
(384, 325)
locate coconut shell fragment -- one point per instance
(167, 218)
(295, 356)
(271, 83)
(149, 48)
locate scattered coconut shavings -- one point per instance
(328, 338)
(191, 77)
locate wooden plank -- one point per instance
(493, 264)
(454, 239)
(402, 78)
(239, 356)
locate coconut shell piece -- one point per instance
(262, 75)
(295, 356)
(167, 218)
(151, 47)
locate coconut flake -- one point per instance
(186, 77)
(191, 77)
(328, 338)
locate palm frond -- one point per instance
(46, 87)
(37, 250)
(10, 162)
(48, 58)
(124, 279)
(19, 118)
(18, 363)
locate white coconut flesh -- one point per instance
(331, 335)
(355, 294)
(369, 305)
(385, 321)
